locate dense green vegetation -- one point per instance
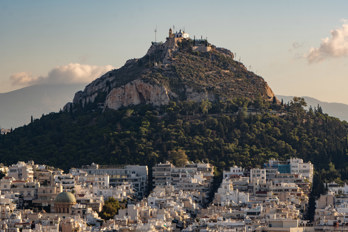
(110, 208)
(317, 189)
(223, 133)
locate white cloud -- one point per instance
(335, 46)
(22, 78)
(73, 73)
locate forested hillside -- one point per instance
(225, 133)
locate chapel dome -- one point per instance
(65, 197)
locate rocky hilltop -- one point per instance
(178, 69)
(218, 132)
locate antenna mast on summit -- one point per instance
(156, 34)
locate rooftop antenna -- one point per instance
(156, 34)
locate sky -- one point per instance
(299, 47)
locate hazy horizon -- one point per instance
(299, 48)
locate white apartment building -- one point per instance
(5, 183)
(287, 192)
(95, 180)
(22, 171)
(227, 196)
(334, 188)
(205, 168)
(134, 174)
(44, 176)
(297, 166)
(66, 180)
(26, 191)
(257, 176)
(120, 193)
(162, 174)
(90, 200)
(194, 176)
(234, 171)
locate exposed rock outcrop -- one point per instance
(137, 92)
(175, 70)
(198, 96)
(269, 92)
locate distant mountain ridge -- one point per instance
(17, 107)
(338, 110)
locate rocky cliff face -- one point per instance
(137, 92)
(175, 70)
